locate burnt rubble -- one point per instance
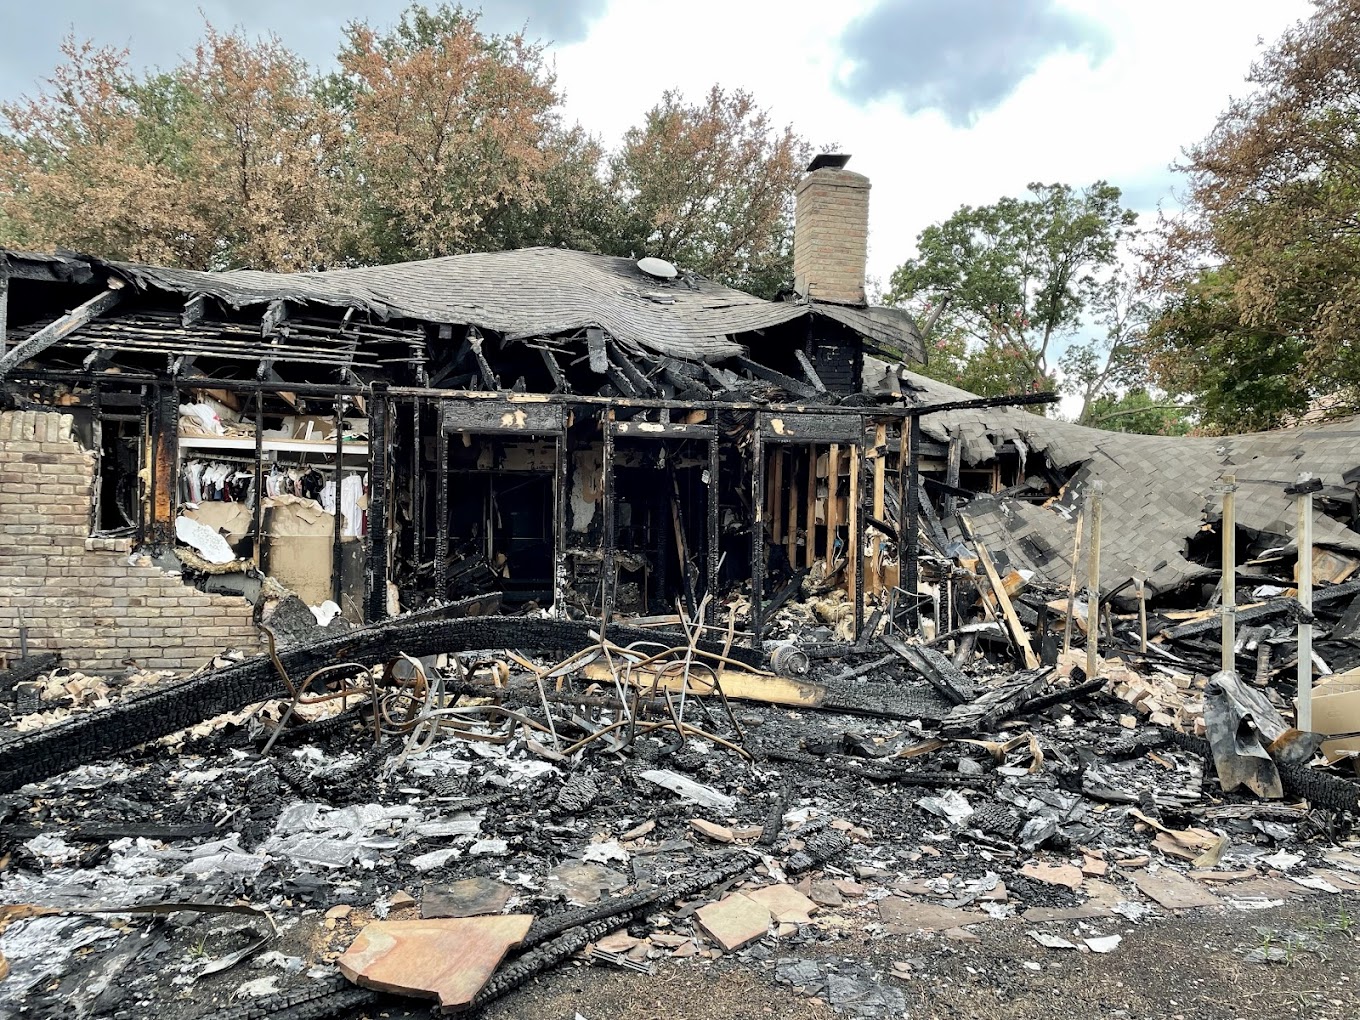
(639, 796)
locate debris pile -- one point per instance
(637, 797)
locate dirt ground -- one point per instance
(1181, 968)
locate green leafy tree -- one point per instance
(1018, 276)
(1239, 377)
(1261, 273)
(1138, 410)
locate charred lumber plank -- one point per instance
(983, 714)
(560, 384)
(786, 382)
(4, 304)
(805, 363)
(938, 670)
(26, 669)
(60, 329)
(595, 345)
(1275, 607)
(193, 310)
(489, 378)
(639, 380)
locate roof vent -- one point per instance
(659, 269)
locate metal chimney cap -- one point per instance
(829, 161)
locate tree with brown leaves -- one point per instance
(710, 186)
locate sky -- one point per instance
(941, 103)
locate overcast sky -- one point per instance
(941, 102)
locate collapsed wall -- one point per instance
(91, 599)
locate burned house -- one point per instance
(587, 434)
(473, 461)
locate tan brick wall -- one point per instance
(831, 235)
(80, 596)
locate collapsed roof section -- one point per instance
(524, 295)
(1161, 491)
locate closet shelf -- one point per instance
(270, 445)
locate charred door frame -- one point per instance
(524, 419)
(800, 429)
(659, 431)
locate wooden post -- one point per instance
(337, 549)
(1229, 525)
(561, 482)
(711, 510)
(911, 524)
(1140, 587)
(777, 498)
(1305, 587)
(880, 467)
(1093, 585)
(951, 473)
(833, 478)
(4, 303)
(757, 535)
(810, 552)
(791, 522)
(375, 569)
(853, 544)
(610, 519)
(1008, 611)
(1072, 584)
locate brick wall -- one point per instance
(831, 235)
(80, 596)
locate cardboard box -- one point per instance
(1336, 709)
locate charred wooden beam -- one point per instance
(786, 382)
(489, 378)
(193, 310)
(60, 329)
(275, 315)
(595, 345)
(164, 455)
(912, 524)
(711, 509)
(805, 363)
(337, 549)
(375, 562)
(641, 383)
(560, 384)
(4, 304)
(441, 513)
(757, 537)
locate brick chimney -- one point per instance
(831, 232)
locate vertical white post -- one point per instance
(1229, 528)
(1093, 585)
(1305, 586)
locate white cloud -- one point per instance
(1168, 74)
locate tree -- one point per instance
(271, 169)
(1263, 267)
(454, 130)
(224, 161)
(96, 162)
(1241, 378)
(709, 186)
(1018, 276)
